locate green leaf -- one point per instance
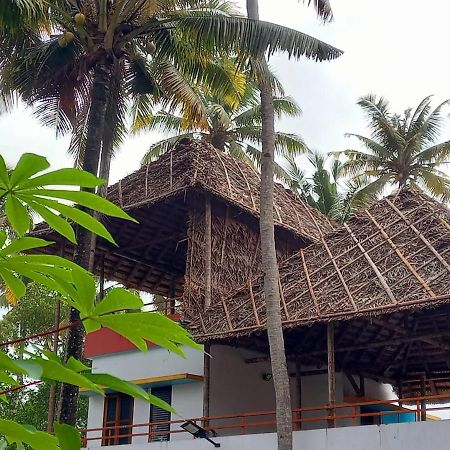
(64, 177)
(55, 371)
(16, 285)
(76, 366)
(91, 325)
(38, 440)
(80, 217)
(3, 237)
(86, 290)
(126, 387)
(4, 378)
(69, 437)
(54, 221)
(118, 299)
(24, 243)
(89, 200)
(17, 215)
(4, 178)
(6, 363)
(141, 327)
(28, 165)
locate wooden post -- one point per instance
(362, 386)
(207, 347)
(400, 393)
(423, 403)
(298, 378)
(331, 374)
(206, 384)
(102, 276)
(208, 251)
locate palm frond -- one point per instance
(161, 121)
(253, 37)
(374, 147)
(179, 93)
(438, 153)
(289, 144)
(437, 185)
(238, 151)
(323, 8)
(282, 106)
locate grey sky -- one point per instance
(398, 49)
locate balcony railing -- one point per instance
(324, 416)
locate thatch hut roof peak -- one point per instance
(197, 165)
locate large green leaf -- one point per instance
(142, 327)
(38, 440)
(69, 437)
(118, 299)
(25, 187)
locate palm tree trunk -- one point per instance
(270, 264)
(84, 251)
(52, 396)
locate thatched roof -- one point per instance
(197, 165)
(392, 256)
(163, 196)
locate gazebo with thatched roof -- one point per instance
(381, 282)
(370, 298)
(176, 199)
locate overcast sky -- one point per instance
(398, 49)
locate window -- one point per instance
(118, 412)
(158, 432)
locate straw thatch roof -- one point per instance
(197, 165)
(166, 196)
(383, 279)
(393, 256)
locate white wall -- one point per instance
(187, 400)
(406, 436)
(373, 389)
(238, 387)
(95, 415)
(155, 362)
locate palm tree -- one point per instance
(402, 149)
(235, 129)
(103, 51)
(327, 189)
(268, 250)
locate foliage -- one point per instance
(327, 189)
(235, 128)
(155, 53)
(402, 150)
(75, 287)
(30, 406)
(31, 315)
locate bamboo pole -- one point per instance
(208, 245)
(207, 347)
(423, 403)
(206, 384)
(331, 374)
(298, 378)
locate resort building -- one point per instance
(365, 309)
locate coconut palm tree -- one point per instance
(402, 149)
(102, 51)
(327, 189)
(235, 129)
(268, 250)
